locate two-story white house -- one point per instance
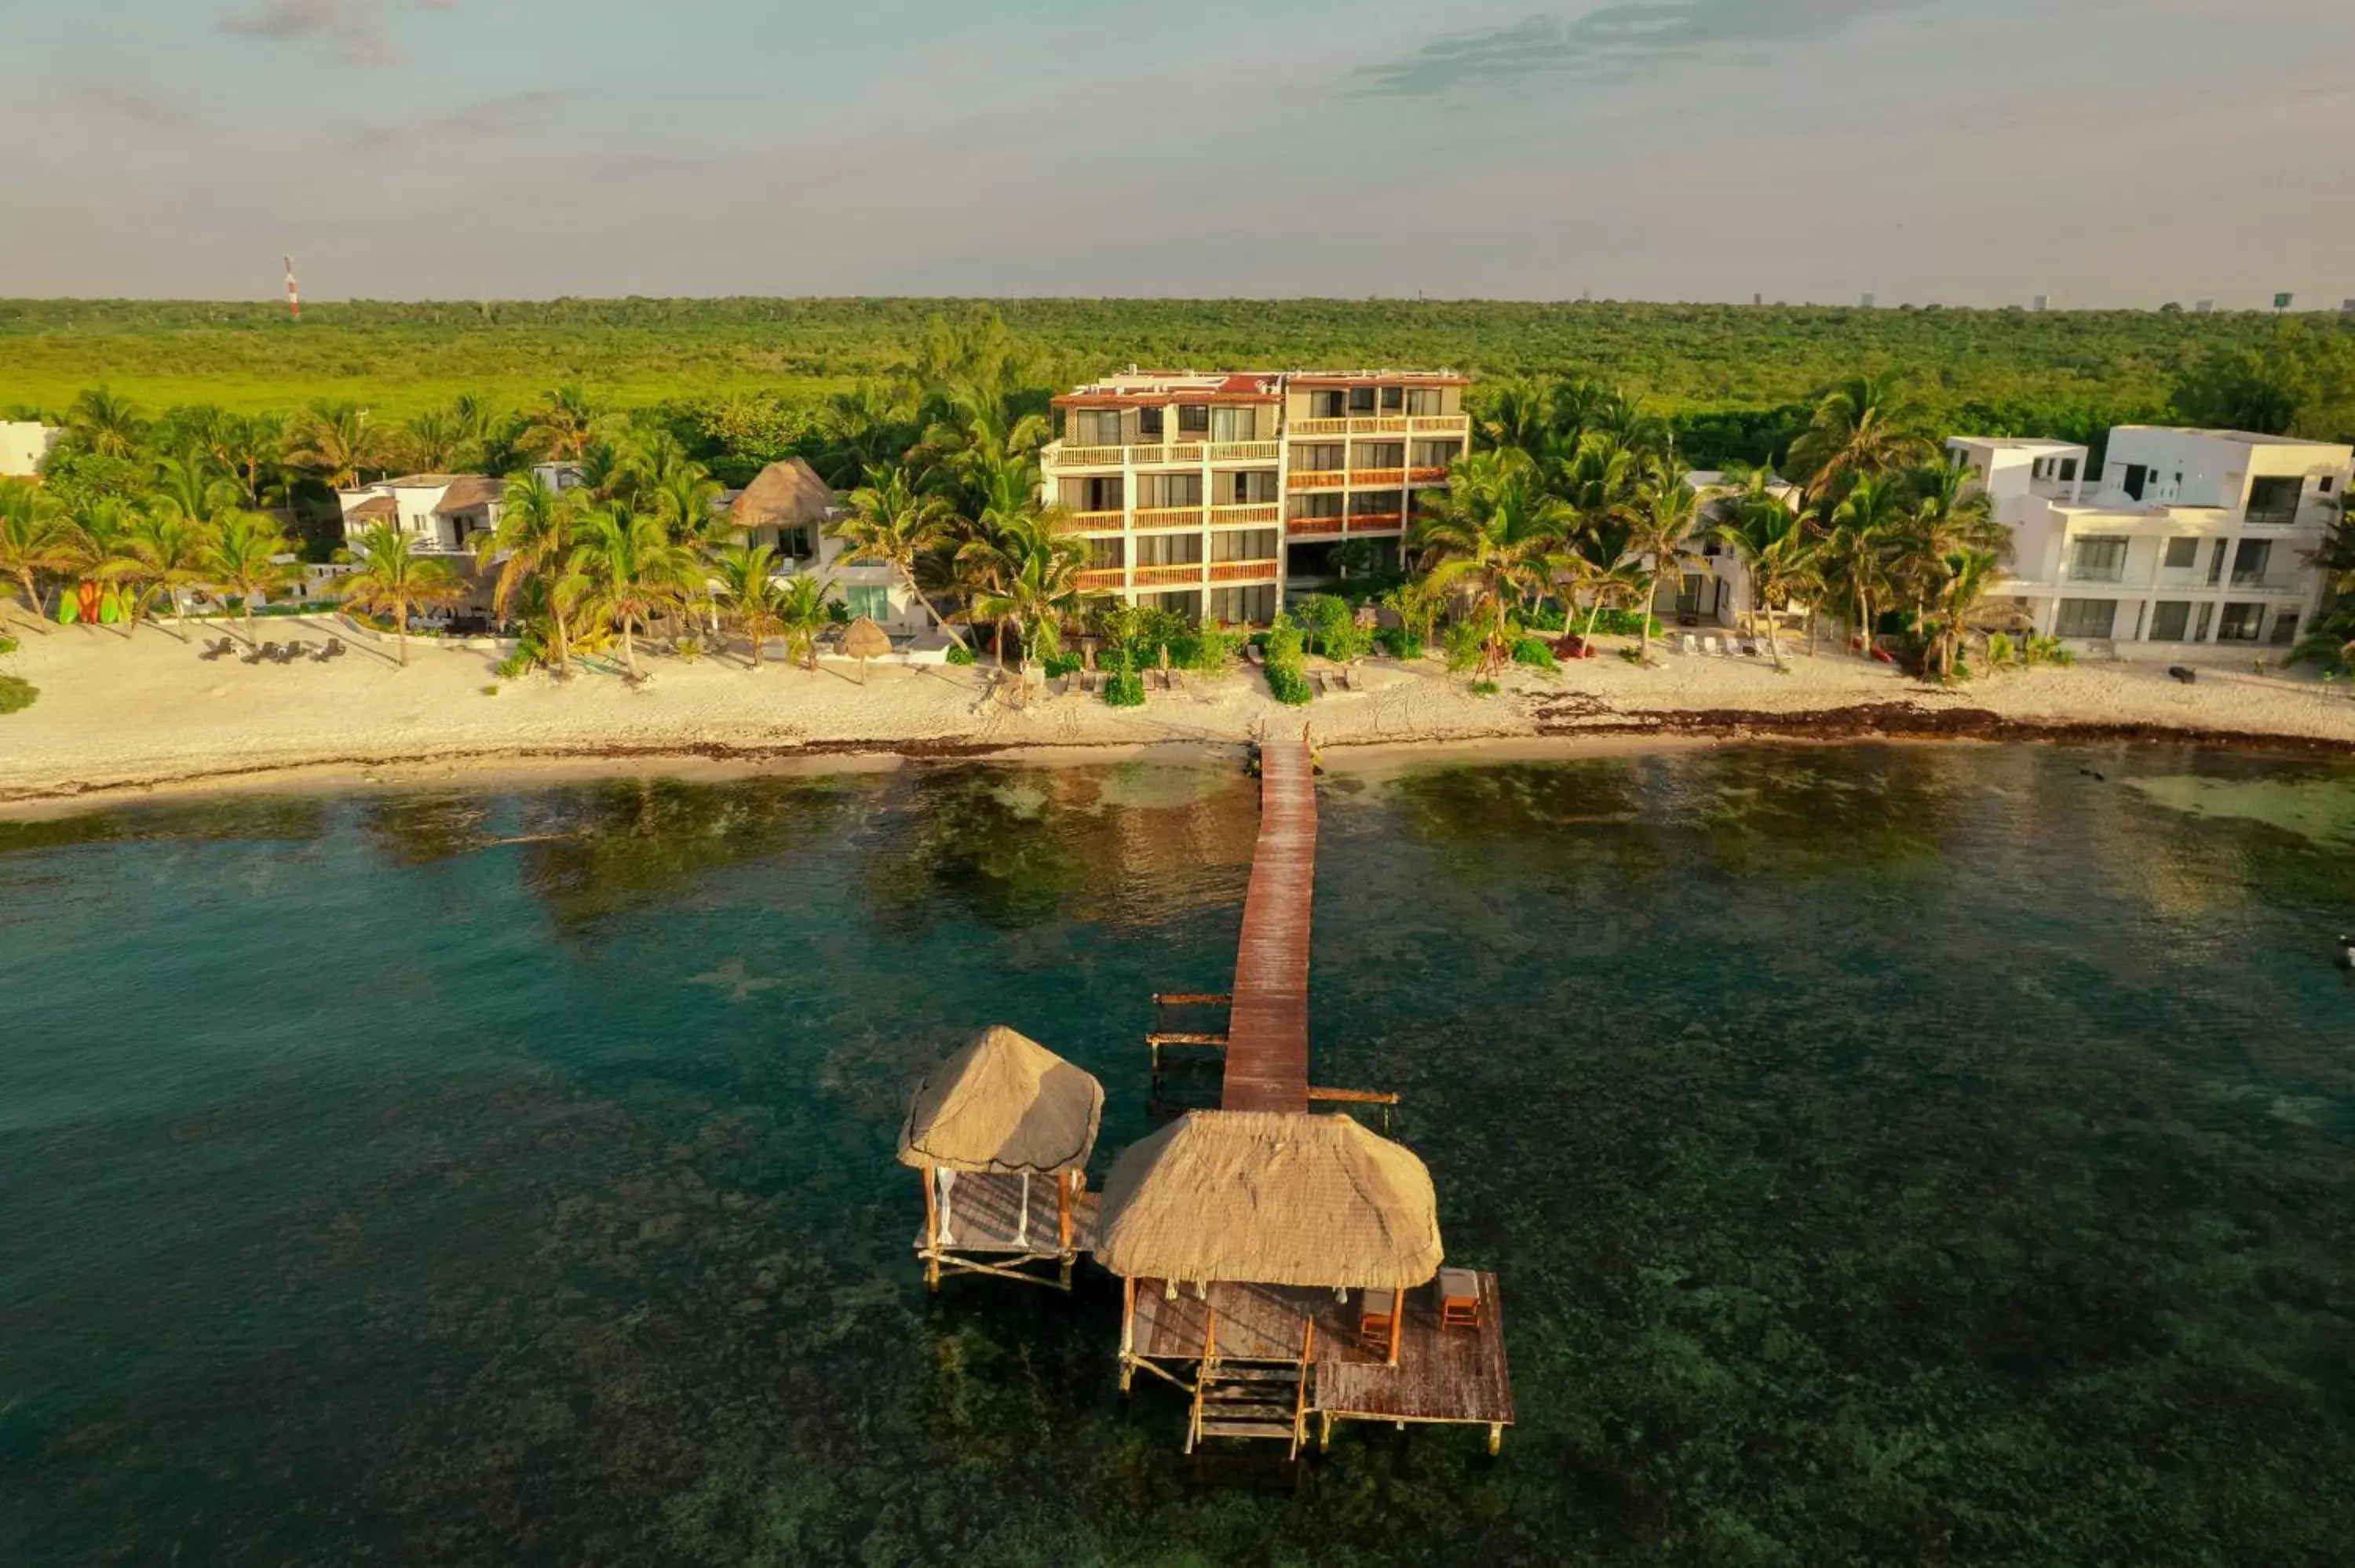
(788, 506)
(24, 445)
(1707, 585)
(2183, 536)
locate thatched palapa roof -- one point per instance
(1270, 1198)
(862, 638)
(783, 495)
(469, 493)
(1004, 1104)
(375, 507)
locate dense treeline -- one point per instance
(2001, 372)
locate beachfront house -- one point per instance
(1220, 494)
(24, 446)
(1707, 585)
(2179, 539)
(788, 507)
(445, 515)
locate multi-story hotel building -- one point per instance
(1212, 494)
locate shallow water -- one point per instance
(1890, 1154)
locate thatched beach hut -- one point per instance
(1276, 1198)
(982, 1125)
(789, 498)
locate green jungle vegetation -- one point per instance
(1584, 421)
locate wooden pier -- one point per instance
(1267, 1030)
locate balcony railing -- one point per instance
(1301, 527)
(2110, 575)
(1377, 477)
(1167, 517)
(1384, 425)
(1439, 424)
(1320, 427)
(1093, 522)
(1096, 579)
(1426, 476)
(1061, 456)
(1377, 523)
(2269, 583)
(1317, 479)
(1242, 571)
(1184, 575)
(1245, 451)
(1256, 512)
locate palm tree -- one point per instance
(100, 528)
(1515, 413)
(1495, 533)
(1616, 586)
(1965, 578)
(106, 423)
(394, 580)
(565, 423)
(890, 524)
(1773, 545)
(801, 613)
(164, 550)
(1856, 553)
(632, 570)
(1947, 510)
(748, 582)
(34, 539)
(436, 439)
(194, 488)
(248, 446)
(1028, 575)
(1660, 520)
(1866, 426)
(532, 546)
(682, 495)
(338, 442)
(242, 556)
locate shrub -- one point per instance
(1059, 664)
(1400, 641)
(1545, 618)
(1531, 651)
(1466, 642)
(1288, 684)
(1213, 649)
(17, 693)
(2001, 650)
(1633, 655)
(492, 690)
(8, 646)
(960, 654)
(1286, 680)
(2046, 650)
(1622, 623)
(1124, 688)
(1485, 688)
(517, 664)
(1335, 625)
(690, 649)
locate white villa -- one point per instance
(2183, 537)
(1710, 586)
(788, 506)
(24, 444)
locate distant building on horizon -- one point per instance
(1216, 494)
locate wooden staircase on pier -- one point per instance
(1264, 1400)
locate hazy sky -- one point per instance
(1964, 151)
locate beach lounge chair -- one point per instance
(1691, 645)
(1377, 1310)
(1713, 647)
(258, 652)
(1459, 1299)
(1750, 648)
(291, 651)
(1351, 680)
(1254, 654)
(216, 650)
(333, 650)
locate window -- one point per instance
(798, 543)
(2170, 620)
(2240, 623)
(1186, 606)
(1243, 544)
(1104, 553)
(2182, 554)
(1324, 457)
(1234, 424)
(1422, 402)
(1361, 400)
(1158, 492)
(1380, 454)
(2324, 485)
(1393, 399)
(1193, 418)
(1253, 606)
(2284, 628)
(875, 603)
(1168, 549)
(1378, 503)
(1436, 454)
(1092, 494)
(1251, 487)
(1148, 424)
(2100, 560)
(2274, 500)
(1097, 426)
(2250, 559)
(2085, 618)
(1324, 405)
(1317, 503)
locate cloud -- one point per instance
(355, 29)
(1627, 34)
(487, 119)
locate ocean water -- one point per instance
(1890, 1154)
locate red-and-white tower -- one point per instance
(293, 300)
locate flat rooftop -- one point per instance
(1253, 384)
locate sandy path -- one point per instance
(145, 712)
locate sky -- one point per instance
(1959, 152)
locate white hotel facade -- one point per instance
(2185, 537)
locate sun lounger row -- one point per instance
(273, 652)
(1723, 647)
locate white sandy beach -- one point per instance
(145, 713)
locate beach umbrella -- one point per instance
(862, 641)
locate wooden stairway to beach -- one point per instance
(1267, 1032)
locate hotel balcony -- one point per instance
(1317, 479)
(1377, 477)
(1099, 579)
(1264, 513)
(1384, 425)
(1061, 458)
(1186, 575)
(1094, 522)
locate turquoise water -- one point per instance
(1898, 1154)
